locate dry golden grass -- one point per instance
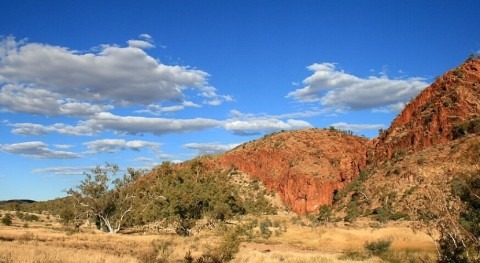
(47, 242)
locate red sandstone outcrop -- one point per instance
(429, 119)
(305, 167)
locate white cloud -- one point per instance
(32, 129)
(64, 170)
(300, 114)
(249, 124)
(140, 44)
(121, 124)
(211, 96)
(210, 148)
(116, 145)
(145, 160)
(19, 98)
(51, 80)
(137, 125)
(156, 109)
(356, 127)
(118, 75)
(38, 150)
(337, 89)
(146, 36)
(63, 146)
(258, 125)
(241, 124)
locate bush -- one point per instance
(30, 217)
(7, 220)
(467, 127)
(325, 213)
(264, 228)
(225, 252)
(159, 251)
(67, 216)
(353, 211)
(377, 248)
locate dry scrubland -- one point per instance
(291, 240)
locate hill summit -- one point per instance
(437, 114)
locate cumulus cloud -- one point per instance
(34, 129)
(356, 127)
(336, 89)
(140, 44)
(210, 148)
(69, 81)
(38, 150)
(211, 96)
(106, 121)
(250, 124)
(19, 98)
(138, 125)
(116, 145)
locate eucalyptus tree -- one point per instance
(104, 197)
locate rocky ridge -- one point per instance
(306, 168)
(431, 117)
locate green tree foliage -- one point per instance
(67, 216)
(26, 216)
(324, 215)
(170, 196)
(95, 197)
(185, 196)
(460, 241)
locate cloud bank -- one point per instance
(339, 90)
(37, 150)
(51, 80)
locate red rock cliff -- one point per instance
(430, 117)
(304, 167)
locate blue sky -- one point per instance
(138, 83)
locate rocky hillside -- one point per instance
(308, 167)
(436, 114)
(304, 167)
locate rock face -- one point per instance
(305, 167)
(430, 118)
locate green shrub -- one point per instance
(7, 220)
(225, 252)
(377, 248)
(467, 127)
(265, 228)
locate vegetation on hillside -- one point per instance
(170, 196)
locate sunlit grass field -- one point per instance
(291, 240)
